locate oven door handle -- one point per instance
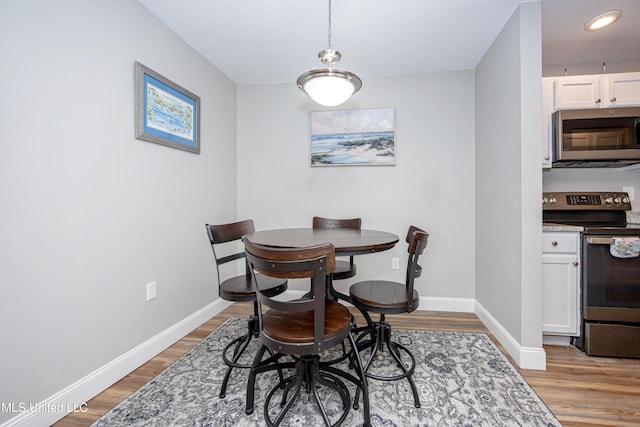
(599, 240)
(603, 240)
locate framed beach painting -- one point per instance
(353, 137)
(165, 113)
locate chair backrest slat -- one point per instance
(224, 233)
(228, 258)
(352, 223)
(315, 262)
(417, 240)
(320, 222)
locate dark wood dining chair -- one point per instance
(238, 288)
(386, 297)
(344, 269)
(302, 328)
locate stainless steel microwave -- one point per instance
(599, 137)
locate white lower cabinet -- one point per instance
(561, 283)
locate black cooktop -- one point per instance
(593, 218)
(612, 223)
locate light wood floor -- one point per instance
(581, 391)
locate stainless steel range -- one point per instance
(610, 277)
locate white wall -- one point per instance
(431, 186)
(531, 119)
(89, 213)
(508, 179)
(592, 67)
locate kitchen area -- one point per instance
(591, 175)
(591, 273)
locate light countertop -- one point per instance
(548, 226)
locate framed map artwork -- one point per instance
(165, 113)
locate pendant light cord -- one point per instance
(329, 86)
(329, 24)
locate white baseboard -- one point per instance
(525, 357)
(75, 396)
(459, 305)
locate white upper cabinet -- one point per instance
(623, 89)
(597, 91)
(577, 92)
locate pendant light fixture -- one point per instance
(329, 86)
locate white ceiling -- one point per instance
(274, 41)
(565, 41)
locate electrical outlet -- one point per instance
(395, 263)
(151, 291)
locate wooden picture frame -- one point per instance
(165, 112)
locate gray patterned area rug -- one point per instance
(463, 380)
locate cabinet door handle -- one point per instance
(575, 263)
(598, 101)
(613, 99)
(554, 244)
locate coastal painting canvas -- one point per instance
(165, 112)
(353, 137)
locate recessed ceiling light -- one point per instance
(603, 20)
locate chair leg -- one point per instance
(310, 373)
(251, 381)
(393, 349)
(287, 386)
(297, 379)
(239, 345)
(363, 383)
(360, 381)
(259, 366)
(333, 382)
(381, 337)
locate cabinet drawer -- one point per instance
(560, 242)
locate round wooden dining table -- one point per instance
(346, 241)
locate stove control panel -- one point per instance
(585, 201)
